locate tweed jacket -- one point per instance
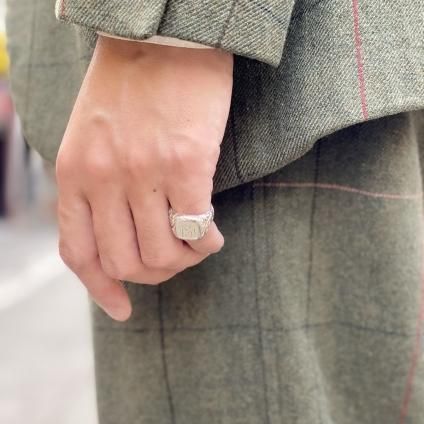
(313, 313)
(303, 69)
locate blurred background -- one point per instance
(46, 359)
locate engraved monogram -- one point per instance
(188, 230)
(190, 227)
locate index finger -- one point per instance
(79, 252)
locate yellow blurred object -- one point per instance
(4, 56)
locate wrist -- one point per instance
(132, 51)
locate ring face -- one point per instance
(190, 227)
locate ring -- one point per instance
(190, 227)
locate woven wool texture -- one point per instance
(343, 62)
(313, 312)
(252, 29)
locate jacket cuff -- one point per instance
(255, 29)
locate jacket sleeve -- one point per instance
(250, 28)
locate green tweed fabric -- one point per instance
(311, 314)
(255, 29)
(343, 62)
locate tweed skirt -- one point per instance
(311, 314)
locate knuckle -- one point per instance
(152, 260)
(174, 263)
(184, 151)
(98, 166)
(216, 245)
(72, 259)
(115, 269)
(157, 260)
(194, 156)
(133, 272)
(181, 157)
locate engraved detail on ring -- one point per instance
(190, 227)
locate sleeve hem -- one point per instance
(240, 27)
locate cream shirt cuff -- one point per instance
(164, 41)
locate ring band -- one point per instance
(190, 227)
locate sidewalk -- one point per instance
(46, 361)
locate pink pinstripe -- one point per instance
(359, 58)
(416, 350)
(62, 8)
(337, 187)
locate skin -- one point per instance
(145, 133)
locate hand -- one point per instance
(144, 134)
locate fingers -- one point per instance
(159, 248)
(117, 242)
(78, 250)
(198, 202)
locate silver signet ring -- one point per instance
(190, 227)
